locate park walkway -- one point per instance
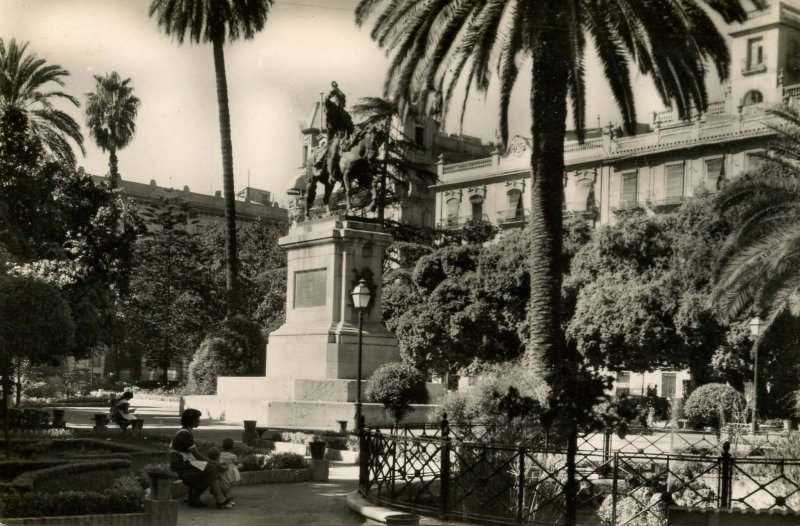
(291, 504)
(301, 504)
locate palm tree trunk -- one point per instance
(548, 353)
(113, 167)
(232, 272)
(18, 390)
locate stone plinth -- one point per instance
(312, 359)
(326, 259)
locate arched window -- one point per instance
(752, 97)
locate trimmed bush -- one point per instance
(713, 405)
(285, 461)
(126, 495)
(235, 347)
(397, 385)
(31, 478)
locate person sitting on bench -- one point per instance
(121, 410)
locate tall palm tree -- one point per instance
(760, 261)
(111, 116)
(26, 85)
(437, 42)
(215, 22)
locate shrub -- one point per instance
(126, 495)
(233, 348)
(397, 386)
(713, 405)
(483, 404)
(285, 461)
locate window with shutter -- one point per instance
(515, 209)
(714, 172)
(674, 182)
(629, 189)
(477, 207)
(452, 211)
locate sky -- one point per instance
(273, 81)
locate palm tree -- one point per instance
(216, 21)
(437, 42)
(760, 261)
(26, 86)
(111, 116)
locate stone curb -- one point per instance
(365, 508)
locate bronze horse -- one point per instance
(356, 163)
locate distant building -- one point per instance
(610, 174)
(251, 203)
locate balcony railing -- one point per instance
(468, 165)
(511, 216)
(625, 206)
(457, 223)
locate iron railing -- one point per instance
(450, 472)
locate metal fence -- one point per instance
(453, 473)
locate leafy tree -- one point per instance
(215, 22)
(235, 347)
(434, 41)
(35, 325)
(639, 292)
(26, 85)
(262, 270)
(397, 385)
(759, 262)
(111, 116)
(173, 299)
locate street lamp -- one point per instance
(756, 326)
(361, 296)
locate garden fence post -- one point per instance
(445, 468)
(521, 482)
(726, 475)
(614, 489)
(606, 449)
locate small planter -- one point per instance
(161, 484)
(58, 418)
(100, 421)
(317, 449)
(788, 424)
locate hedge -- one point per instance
(29, 479)
(711, 402)
(125, 496)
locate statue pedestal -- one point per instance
(312, 360)
(326, 258)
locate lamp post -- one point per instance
(756, 325)
(361, 296)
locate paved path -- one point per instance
(300, 504)
(290, 504)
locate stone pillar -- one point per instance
(326, 259)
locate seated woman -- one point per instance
(193, 467)
(121, 410)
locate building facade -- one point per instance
(610, 174)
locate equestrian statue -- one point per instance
(346, 153)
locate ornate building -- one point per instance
(610, 174)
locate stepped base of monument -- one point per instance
(295, 413)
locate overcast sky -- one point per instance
(273, 81)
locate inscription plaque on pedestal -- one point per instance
(310, 288)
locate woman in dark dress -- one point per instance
(192, 466)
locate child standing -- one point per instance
(228, 459)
